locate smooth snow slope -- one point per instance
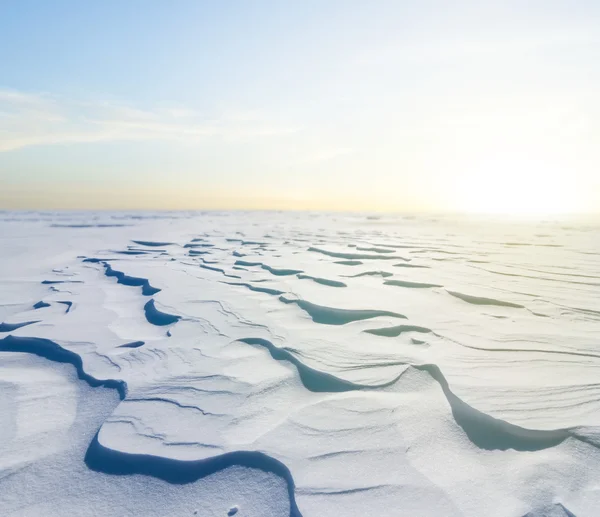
(269, 364)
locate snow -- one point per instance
(310, 364)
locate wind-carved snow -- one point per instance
(311, 365)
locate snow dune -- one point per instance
(270, 364)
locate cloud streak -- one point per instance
(34, 119)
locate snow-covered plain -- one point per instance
(275, 364)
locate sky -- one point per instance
(408, 106)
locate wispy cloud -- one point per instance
(453, 47)
(31, 119)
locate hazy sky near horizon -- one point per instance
(340, 104)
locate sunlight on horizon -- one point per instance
(519, 187)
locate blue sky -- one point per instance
(398, 105)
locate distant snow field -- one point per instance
(298, 364)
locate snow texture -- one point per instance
(273, 365)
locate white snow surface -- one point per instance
(298, 364)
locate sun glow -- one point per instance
(517, 186)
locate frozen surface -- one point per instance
(270, 364)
